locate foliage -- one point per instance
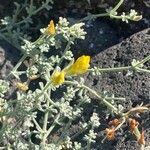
(37, 115)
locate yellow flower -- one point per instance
(51, 28)
(79, 67)
(22, 86)
(58, 78)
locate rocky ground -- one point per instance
(135, 87)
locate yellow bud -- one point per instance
(58, 78)
(22, 86)
(51, 28)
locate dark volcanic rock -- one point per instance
(99, 37)
(9, 56)
(80, 8)
(135, 87)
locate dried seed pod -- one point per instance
(133, 124)
(110, 133)
(141, 140)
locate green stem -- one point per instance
(143, 61)
(109, 105)
(118, 69)
(39, 39)
(2, 148)
(93, 16)
(79, 132)
(68, 124)
(52, 126)
(115, 98)
(45, 121)
(43, 90)
(88, 145)
(122, 122)
(17, 65)
(118, 5)
(37, 125)
(39, 9)
(143, 70)
(137, 133)
(49, 99)
(117, 17)
(66, 49)
(64, 131)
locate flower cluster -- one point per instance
(132, 16)
(70, 33)
(80, 66)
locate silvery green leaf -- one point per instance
(129, 73)
(7, 20)
(49, 1)
(44, 47)
(30, 9)
(147, 148)
(77, 146)
(120, 108)
(90, 138)
(48, 7)
(4, 87)
(135, 63)
(41, 85)
(94, 120)
(68, 55)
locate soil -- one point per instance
(111, 43)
